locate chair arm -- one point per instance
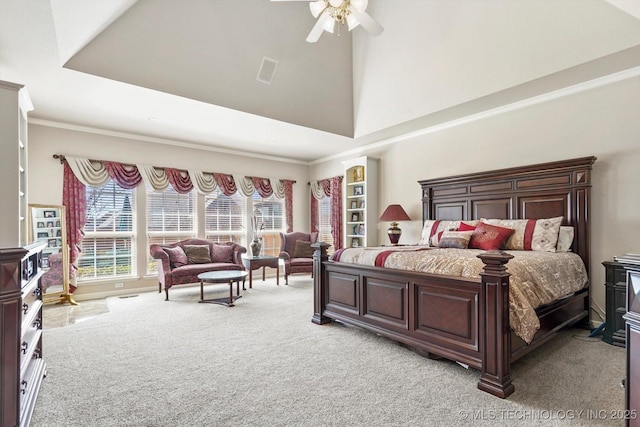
(237, 254)
(158, 253)
(285, 256)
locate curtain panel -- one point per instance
(331, 187)
(74, 199)
(336, 211)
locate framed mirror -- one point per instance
(48, 223)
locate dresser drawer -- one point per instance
(31, 293)
(31, 314)
(30, 349)
(29, 386)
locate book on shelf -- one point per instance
(628, 259)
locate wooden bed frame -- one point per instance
(462, 319)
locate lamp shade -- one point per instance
(394, 213)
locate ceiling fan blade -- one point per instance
(317, 29)
(367, 22)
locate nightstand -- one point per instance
(616, 303)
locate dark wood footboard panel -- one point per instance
(434, 314)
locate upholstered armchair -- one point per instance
(297, 253)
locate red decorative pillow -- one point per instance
(466, 227)
(222, 253)
(489, 237)
(177, 257)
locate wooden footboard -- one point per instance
(461, 319)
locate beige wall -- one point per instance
(45, 176)
(603, 122)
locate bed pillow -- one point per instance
(489, 237)
(465, 226)
(177, 257)
(441, 226)
(565, 239)
(197, 254)
(530, 234)
(455, 239)
(222, 253)
(303, 249)
(425, 237)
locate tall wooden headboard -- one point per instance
(544, 190)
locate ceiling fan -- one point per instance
(331, 13)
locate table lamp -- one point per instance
(394, 213)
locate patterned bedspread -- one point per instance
(537, 278)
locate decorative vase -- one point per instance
(256, 246)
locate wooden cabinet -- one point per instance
(14, 107)
(361, 202)
(22, 367)
(632, 317)
(615, 303)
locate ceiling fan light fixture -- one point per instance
(329, 25)
(360, 5)
(317, 7)
(330, 13)
(352, 22)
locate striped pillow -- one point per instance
(530, 234)
(455, 239)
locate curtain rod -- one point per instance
(62, 159)
(337, 176)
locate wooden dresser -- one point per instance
(616, 303)
(632, 386)
(21, 365)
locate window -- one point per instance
(225, 217)
(270, 212)
(170, 218)
(108, 245)
(324, 222)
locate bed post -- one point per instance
(319, 282)
(495, 341)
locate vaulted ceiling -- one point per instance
(186, 71)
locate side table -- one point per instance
(615, 303)
(255, 262)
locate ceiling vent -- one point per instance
(267, 70)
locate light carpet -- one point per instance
(147, 362)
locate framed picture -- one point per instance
(40, 224)
(358, 174)
(52, 243)
(57, 223)
(361, 230)
(358, 190)
(49, 214)
(355, 217)
(362, 204)
(45, 262)
(49, 223)
(42, 235)
(354, 204)
(355, 242)
(59, 233)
